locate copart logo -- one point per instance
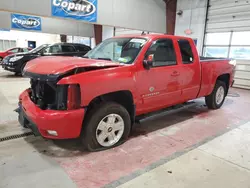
(76, 7)
(26, 22)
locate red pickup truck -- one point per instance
(98, 97)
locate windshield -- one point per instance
(122, 50)
(39, 48)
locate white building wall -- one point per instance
(107, 32)
(149, 15)
(125, 31)
(93, 44)
(22, 37)
(194, 18)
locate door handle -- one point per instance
(175, 73)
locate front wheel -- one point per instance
(216, 99)
(22, 68)
(106, 126)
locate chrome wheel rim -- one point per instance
(110, 130)
(220, 93)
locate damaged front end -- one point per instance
(48, 95)
(46, 103)
(49, 106)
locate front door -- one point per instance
(159, 86)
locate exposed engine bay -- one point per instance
(49, 95)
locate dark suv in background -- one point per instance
(16, 63)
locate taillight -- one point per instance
(74, 97)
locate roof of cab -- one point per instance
(151, 36)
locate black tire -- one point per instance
(94, 117)
(22, 67)
(1, 59)
(211, 99)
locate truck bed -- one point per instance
(211, 69)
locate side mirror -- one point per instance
(148, 62)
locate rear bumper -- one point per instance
(67, 124)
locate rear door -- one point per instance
(190, 73)
(159, 86)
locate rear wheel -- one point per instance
(1, 59)
(216, 99)
(106, 126)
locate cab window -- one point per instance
(186, 51)
(162, 52)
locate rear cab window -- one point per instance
(163, 53)
(186, 51)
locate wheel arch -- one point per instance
(226, 79)
(123, 97)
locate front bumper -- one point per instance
(67, 124)
(12, 67)
(8, 68)
(26, 122)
